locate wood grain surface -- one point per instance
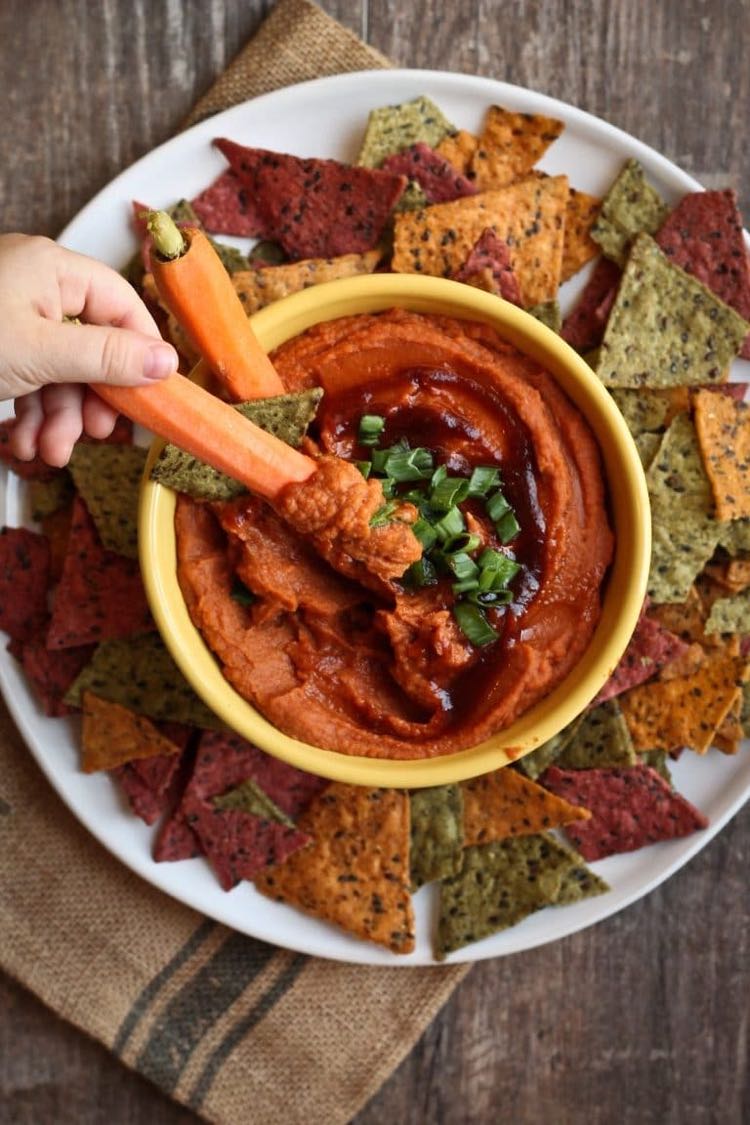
(643, 1019)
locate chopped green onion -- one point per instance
(371, 427)
(497, 570)
(240, 593)
(464, 586)
(440, 473)
(467, 542)
(425, 533)
(389, 487)
(422, 573)
(497, 506)
(365, 468)
(379, 458)
(489, 598)
(482, 479)
(473, 624)
(449, 492)
(412, 464)
(508, 527)
(451, 525)
(384, 514)
(462, 566)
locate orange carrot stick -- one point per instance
(212, 430)
(197, 290)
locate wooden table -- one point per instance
(645, 1017)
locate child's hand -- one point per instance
(46, 363)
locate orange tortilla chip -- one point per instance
(112, 735)
(356, 871)
(687, 710)
(510, 145)
(458, 149)
(528, 215)
(729, 734)
(505, 803)
(579, 247)
(690, 661)
(733, 575)
(687, 619)
(723, 427)
(260, 287)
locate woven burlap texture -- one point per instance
(225, 1024)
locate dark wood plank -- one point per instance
(644, 1018)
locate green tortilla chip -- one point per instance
(412, 198)
(630, 206)
(250, 798)
(548, 313)
(647, 445)
(268, 252)
(534, 764)
(579, 882)
(48, 496)
(730, 615)
(499, 885)
(684, 532)
(602, 739)
(734, 536)
(436, 834)
(666, 329)
(395, 127)
(108, 478)
(644, 409)
(658, 760)
(285, 416)
(140, 674)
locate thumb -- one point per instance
(90, 353)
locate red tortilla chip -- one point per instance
(584, 328)
(149, 784)
(24, 578)
(436, 176)
(491, 254)
(650, 648)
(238, 844)
(630, 808)
(100, 595)
(52, 673)
(176, 841)
(316, 208)
(226, 207)
(704, 236)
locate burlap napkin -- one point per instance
(230, 1026)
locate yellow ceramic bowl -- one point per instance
(625, 586)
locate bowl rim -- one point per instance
(626, 584)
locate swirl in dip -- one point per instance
(381, 668)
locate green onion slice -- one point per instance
(462, 566)
(507, 527)
(371, 427)
(422, 573)
(467, 542)
(473, 624)
(425, 533)
(384, 514)
(240, 593)
(449, 492)
(365, 468)
(483, 479)
(412, 464)
(464, 586)
(451, 525)
(497, 506)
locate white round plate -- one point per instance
(326, 118)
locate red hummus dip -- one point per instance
(374, 667)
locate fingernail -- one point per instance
(159, 362)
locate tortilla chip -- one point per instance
(665, 328)
(226, 207)
(578, 246)
(435, 175)
(658, 760)
(301, 200)
(649, 649)
(356, 871)
(584, 327)
(395, 127)
(730, 615)
(458, 149)
(411, 199)
(504, 803)
(108, 478)
(529, 216)
(176, 841)
(48, 496)
(631, 206)
(723, 428)
(602, 739)
(149, 784)
(534, 764)
(285, 416)
(548, 313)
(51, 673)
(262, 286)
(687, 619)
(684, 711)
(239, 845)
(630, 809)
(704, 236)
(112, 735)
(732, 574)
(579, 882)
(436, 848)
(139, 674)
(683, 530)
(250, 798)
(510, 145)
(488, 267)
(100, 595)
(730, 733)
(734, 536)
(498, 886)
(24, 579)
